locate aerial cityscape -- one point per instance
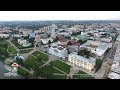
(60, 49)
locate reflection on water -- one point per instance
(3, 70)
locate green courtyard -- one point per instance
(82, 75)
(32, 63)
(41, 55)
(12, 50)
(50, 72)
(25, 51)
(61, 65)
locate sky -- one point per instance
(59, 15)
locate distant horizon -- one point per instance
(58, 15)
(55, 20)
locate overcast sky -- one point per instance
(59, 15)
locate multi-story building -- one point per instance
(86, 63)
(58, 51)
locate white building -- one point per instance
(22, 41)
(100, 50)
(58, 51)
(17, 35)
(26, 32)
(116, 67)
(4, 35)
(53, 34)
(46, 41)
(113, 75)
(118, 38)
(106, 39)
(96, 47)
(26, 44)
(86, 63)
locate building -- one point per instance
(107, 40)
(113, 75)
(116, 67)
(118, 38)
(96, 47)
(46, 41)
(4, 35)
(86, 63)
(117, 53)
(53, 34)
(58, 51)
(37, 39)
(32, 34)
(80, 37)
(26, 44)
(21, 41)
(25, 31)
(63, 42)
(17, 35)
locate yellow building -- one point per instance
(86, 63)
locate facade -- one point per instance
(86, 63)
(17, 35)
(32, 34)
(58, 51)
(4, 35)
(37, 39)
(53, 34)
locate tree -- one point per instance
(49, 42)
(69, 43)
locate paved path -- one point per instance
(72, 72)
(27, 54)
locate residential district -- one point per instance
(60, 50)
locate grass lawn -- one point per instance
(82, 75)
(61, 65)
(32, 62)
(25, 51)
(50, 73)
(43, 56)
(25, 74)
(98, 64)
(11, 49)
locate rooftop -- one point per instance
(90, 60)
